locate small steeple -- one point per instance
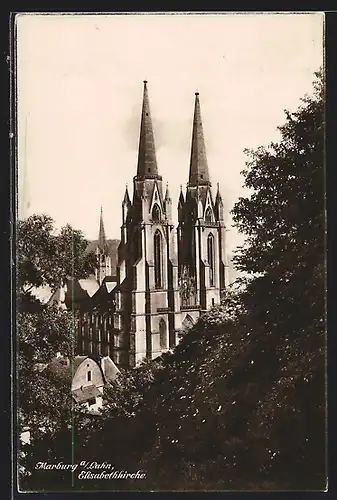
(167, 194)
(126, 204)
(181, 204)
(219, 204)
(181, 196)
(147, 161)
(168, 204)
(198, 166)
(101, 234)
(218, 198)
(126, 199)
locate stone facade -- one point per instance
(166, 276)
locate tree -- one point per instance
(284, 253)
(241, 403)
(284, 217)
(45, 259)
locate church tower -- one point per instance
(201, 231)
(147, 271)
(102, 254)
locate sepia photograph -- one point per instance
(170, 252)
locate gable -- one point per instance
(209, 214)
(188, 321)
(82, 377)
(156, 198)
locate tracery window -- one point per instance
(158, 259)
(211, 258)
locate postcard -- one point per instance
(170, 234)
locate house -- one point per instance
(86, 377)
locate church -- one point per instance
(165, 276)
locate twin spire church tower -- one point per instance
(167, 276)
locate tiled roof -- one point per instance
(109, 368)
(85, 393)
(108, 279)
(75, 292)
(103, 292)
(90, 285)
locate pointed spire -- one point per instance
(218, 198)
(147, 162)
(167, 194)
(168, 205)
(126, 199)
(219, 204)
(181, 196)
(198, 165)
(181, 204)
(101, 234)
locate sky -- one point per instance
(79, 96)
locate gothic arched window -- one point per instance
(156, 213)
(162, 334)
(210, 258)
(158, 259)
(208, 215)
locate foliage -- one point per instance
(44, 259)
(284, 217)
(240, 403)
